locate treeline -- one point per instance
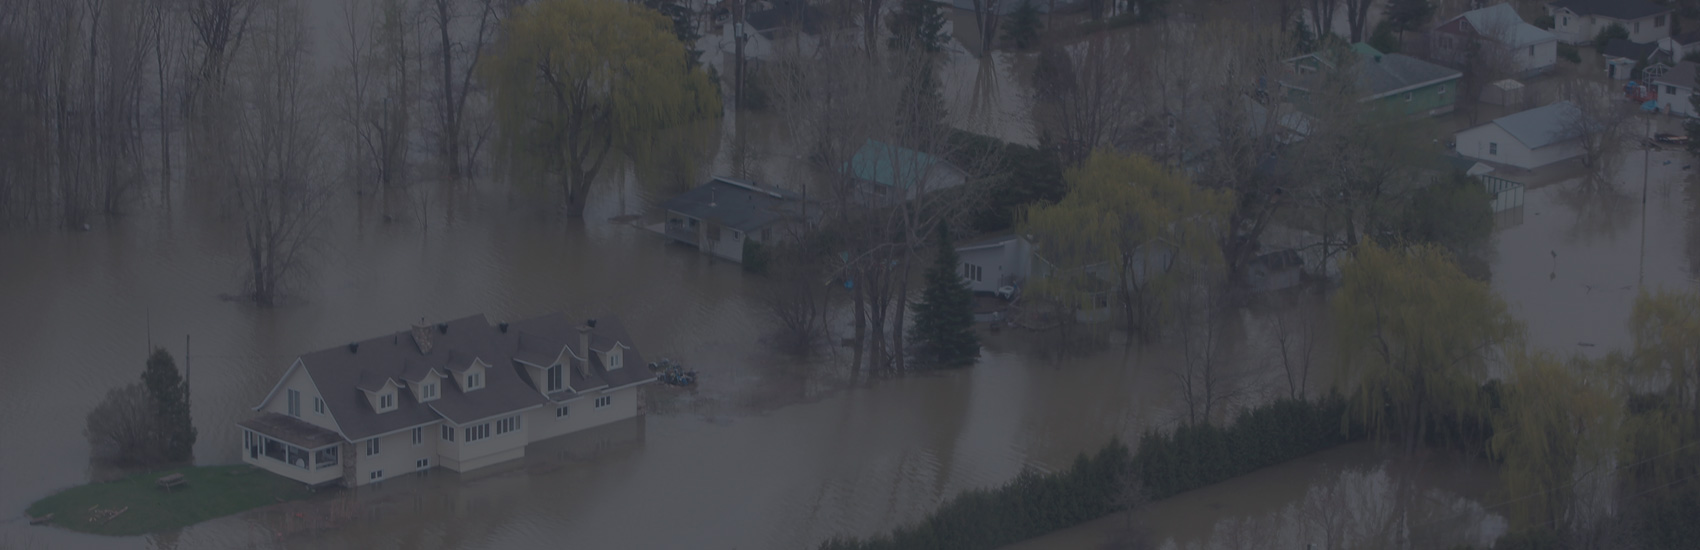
(1114, 478)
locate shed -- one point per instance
(1530, 139)
(995, 261)
(1503, 92)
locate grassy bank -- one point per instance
(142, 508)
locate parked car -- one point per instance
(1670, 138)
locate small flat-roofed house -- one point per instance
(726, 216)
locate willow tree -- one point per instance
(1663, 373)
(1555, 433)
(1417, 337)
(576, 80)
(1128, 227)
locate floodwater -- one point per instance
(769, 451)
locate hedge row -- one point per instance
(1168, 463)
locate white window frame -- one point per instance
(604, 401)
(375, 475)
(1493, 148)
(477, 433)
(614, 358)
(374, 446)
(448, 433)
(561, 412)
(422, 464)
(555, 377)
(431, 390)
(508, 425)
(418, 436)
(386, 401)
(474, 380)
(319, 404)
(293, 403)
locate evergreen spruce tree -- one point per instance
(922, 109)
(1022, 28)
(918, 23)
(176, 430)
(943, 332)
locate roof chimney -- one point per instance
(443, 328)
(584, 345)
(354, 347)
(502, 326)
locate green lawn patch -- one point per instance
(211, 492)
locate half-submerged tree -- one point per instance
(1021, 30)
(943, 333)
(271, 145)
(1418, 337)
(170, 393)
(918, 24)
(576, 80)
(1128, 229)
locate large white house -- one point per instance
(1530, 139)
(1578, 21)
(461, 395)
(1676, 87)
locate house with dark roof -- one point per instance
(991, 262)
(1530, 49)
(884, 171)
(726, 217)
(1623, 56)
(461, 395)
(1681, 45)
(1578, 21)
(1393, 83)
(1530, 139)
(1675, 87)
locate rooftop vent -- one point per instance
(502, 326)
(354, 347)
(590, 323)
(443, 328)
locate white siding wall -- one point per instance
(301, 382)
(582, 414)
(396, 455)
(461, 456)
(730, 245)
(1647, 32)
(1569, 27)
(1476, 143)
(1544, 57)
(1675, 103)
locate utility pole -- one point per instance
(738, 43)
(1646, 164)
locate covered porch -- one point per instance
(292, 448)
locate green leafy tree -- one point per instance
(918, 24)
(1454, 213)
(1130, 228)
(943, 333)
(1555, 433)
(1606, 34)
(576, 80)
(1416, 337)
(1022, 28)
(170, 393)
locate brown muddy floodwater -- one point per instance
(768, 453)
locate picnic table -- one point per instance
(170, 482)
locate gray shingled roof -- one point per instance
(1615, 9)
(340, 374)
(1680, 75)
(1624, 48)
(1501, 18)
(292, 430)
(737, 204)
(1394, 73)
(1540, 126)
(1379, 74)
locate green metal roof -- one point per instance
(876, 160)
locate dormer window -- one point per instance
(386, 401)
(474, 380)
(555, 378)
(613, 358)
(431, 390)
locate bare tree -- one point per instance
(1486, 60)
(220, 26)
(987, 13)
(475, 23)
(1322, 15)
(1208, 381)
(1294, 330)
(1084, 94)
(1357, 18)
(1600, 123)
(272, 151)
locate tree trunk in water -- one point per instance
(574, 195)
